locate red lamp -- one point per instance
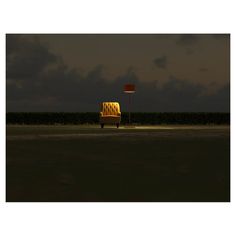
(129, 89)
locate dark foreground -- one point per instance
(86, 163)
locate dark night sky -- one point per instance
(76, 72)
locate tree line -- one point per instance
(149, 118)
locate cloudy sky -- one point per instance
(179, 73)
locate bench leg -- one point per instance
(117, 125)
(102, 125)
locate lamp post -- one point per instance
(129, 89)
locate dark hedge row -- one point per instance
(136, 118)
(181, 118)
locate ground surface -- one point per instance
(146, 163)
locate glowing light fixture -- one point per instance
(129, 89)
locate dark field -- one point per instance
(86, 163)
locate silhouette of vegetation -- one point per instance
(153, 118)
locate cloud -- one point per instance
(27, 58)
(221, 36)
(180, 96)
(187, 39)
(203, 69)
(160, 62)
(38, 80)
